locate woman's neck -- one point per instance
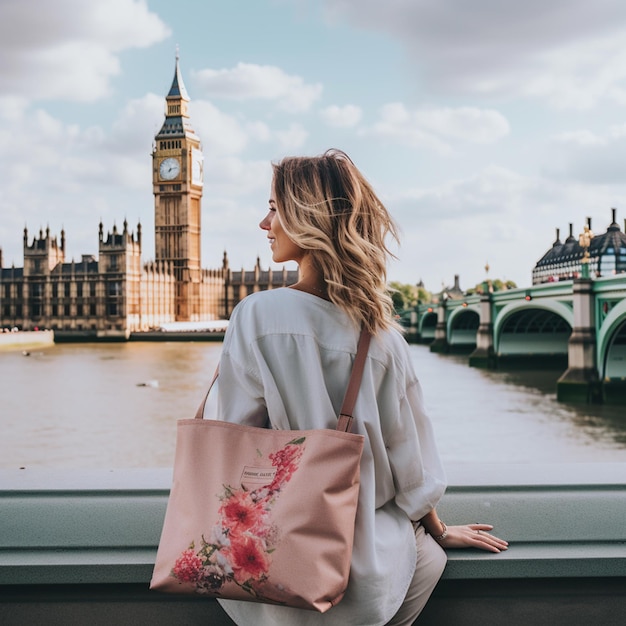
(311, 280)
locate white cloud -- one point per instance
(496, 216)
(588, 156)
(259, 131)
(494, 191)
(221, 133)
(580, 138)
(293, 137)
(395, 124)
(433, 128)
(135, 127)
(67, 49)
(59, 173)
(463, 123)
(12, 108)
(576, 75)
(342, 117)
(247, 81)
(569, 53)
(232, 176)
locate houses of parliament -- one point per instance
(116, 293)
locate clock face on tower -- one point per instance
(169, 168)
(196, 166)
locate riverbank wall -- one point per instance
(91, 336)
(23, 340)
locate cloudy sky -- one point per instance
(483, 125)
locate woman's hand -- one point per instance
(473, 536)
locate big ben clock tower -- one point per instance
(177, 185)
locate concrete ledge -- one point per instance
(104, 527)
(81, 547)
(561, 520)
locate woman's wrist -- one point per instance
(443, 534)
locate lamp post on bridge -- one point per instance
(584, 240)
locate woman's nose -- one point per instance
(265, 222)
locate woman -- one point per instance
(286, 361)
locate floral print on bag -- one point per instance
(241, 543)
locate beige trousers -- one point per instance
(431, 560)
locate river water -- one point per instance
(104, 406)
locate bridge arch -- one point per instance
(541, 328)
(611, 344)
(462, 326)
(427, 325)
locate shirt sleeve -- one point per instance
(418, 473)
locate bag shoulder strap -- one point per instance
(200, 412)
(345, 420)
(344, 423)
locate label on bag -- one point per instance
(257, 475)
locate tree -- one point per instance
(405, 295)
(496, 285)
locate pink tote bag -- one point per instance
(263, 515)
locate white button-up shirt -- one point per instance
(286, 362)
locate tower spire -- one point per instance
(176, 124)
(178, 90)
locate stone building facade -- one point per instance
(116, 293)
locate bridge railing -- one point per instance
(71, 544)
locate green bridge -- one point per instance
(579, 325)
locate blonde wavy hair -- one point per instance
(328, 208)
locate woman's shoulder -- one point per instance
(392, 340)
(283, 299)
(270, 299)
(391, 349)
(284, 310)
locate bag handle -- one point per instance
(345, 420)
